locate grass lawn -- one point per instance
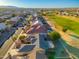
(50, 54)
(76, 19)
(71, 25)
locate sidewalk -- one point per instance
(11, 46)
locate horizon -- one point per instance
(2, 6)
(41, 3)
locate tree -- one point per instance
(14, 38)
(13, 15)
(65, 29)
(22, 37)
(50, 53)
(8, 23)
(54, 35)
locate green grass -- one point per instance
(71, 25)
(50, 54)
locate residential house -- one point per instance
(37, 27)
(2, 26)
(14, 20)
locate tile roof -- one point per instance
(37, 27)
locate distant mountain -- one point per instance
(8, 7)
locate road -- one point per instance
(8, 44)
(5, 36)
(12, 45)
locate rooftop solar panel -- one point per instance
(27, 48)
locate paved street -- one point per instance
(5, 36)
(7, 44)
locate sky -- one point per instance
(41, 3)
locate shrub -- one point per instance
(14, 38)
(54, 35)
(50, 53)
(65, 29)
(22, 37)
